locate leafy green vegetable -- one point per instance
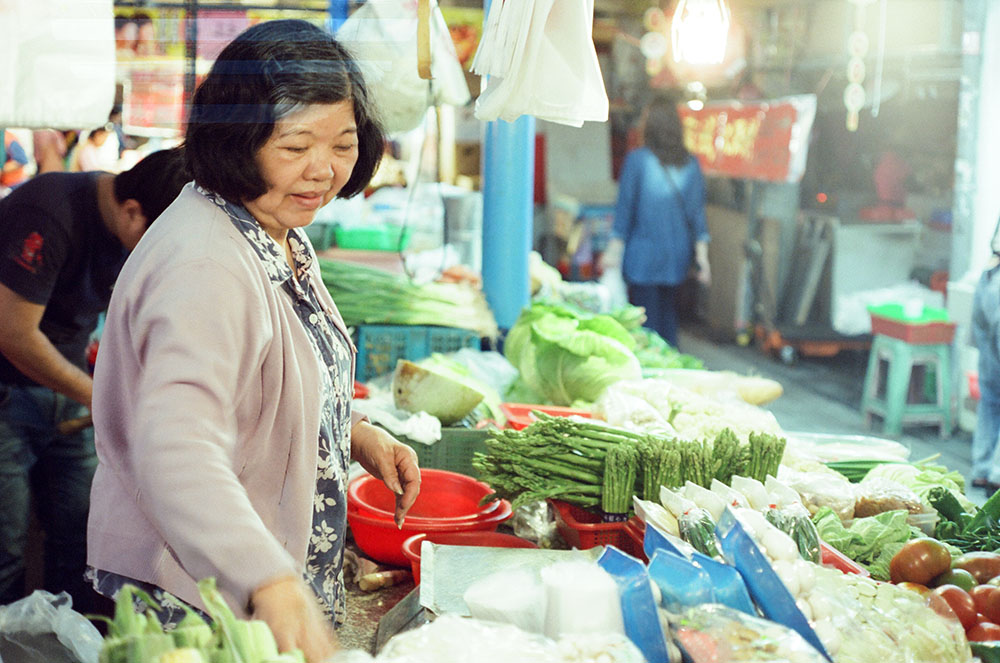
(868, 539)
(366, 295)
(653, 353)
(565, 357)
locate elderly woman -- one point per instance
(222, 395)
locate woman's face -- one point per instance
(306, 161)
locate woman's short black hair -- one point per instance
(266, 71)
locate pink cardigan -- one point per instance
(206, 414)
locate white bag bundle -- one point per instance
(57, 63)
(382, 35)
(540, 59)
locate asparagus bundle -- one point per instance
(592, 464)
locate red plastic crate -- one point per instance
(582, 529)
(929, 333)
(830, 556)
(635, 534)
(519, 414)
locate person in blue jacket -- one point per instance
(659, 226)
(986, 335)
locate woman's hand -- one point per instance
(701, 260)
(390, 460)
(291, 610)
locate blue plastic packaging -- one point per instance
(727, 582)
(730, 590)
(642, 622)
(764, 585)
(683, 583)
(656, 539)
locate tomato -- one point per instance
(983, 632)
(982, 565)
(959, 577)
(987, 601)
(960, 603)
(940, 606)
(923, 590)
(995, 580)
(919, 560)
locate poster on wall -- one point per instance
(758, 140)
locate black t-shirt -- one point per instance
(55, 250)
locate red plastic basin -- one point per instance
(411, 547)
(380, 539)
(444, 496)
(519, 415)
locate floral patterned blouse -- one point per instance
(325, 556)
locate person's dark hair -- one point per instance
(154, 182)
(267, 71)
(663, 133)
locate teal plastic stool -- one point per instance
(892, 402)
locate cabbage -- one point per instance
(568, 357)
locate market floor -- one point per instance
(823, 395)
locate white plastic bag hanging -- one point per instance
(540, 59)
(57, 63)
(382, 35)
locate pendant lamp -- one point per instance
(699, 30)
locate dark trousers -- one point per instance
(54, 472)
(661, 310)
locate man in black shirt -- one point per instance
(63, 239)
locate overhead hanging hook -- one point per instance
(424, 39)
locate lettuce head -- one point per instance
(568, 357)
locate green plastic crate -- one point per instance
(453, 452)
(895, 311)
(373, 238)
(381, 346)
(320, 234)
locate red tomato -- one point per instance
(919, 560)
(987, 601)
(960, 603)
(983, 631)
(981, 564)
(940, 606)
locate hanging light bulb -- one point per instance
(698, 31)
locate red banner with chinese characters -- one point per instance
(761, 140)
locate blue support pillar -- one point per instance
(508, 216)
(339, 11)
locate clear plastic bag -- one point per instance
(454, 639)
(535, 522)
(44, 628)
(819, 489)
(794, 521)
(382, 35)
(714, 632)
(876, 496)
(541, 59)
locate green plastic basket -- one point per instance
(373, 238)
(453, 452)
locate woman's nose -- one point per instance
(321, 168)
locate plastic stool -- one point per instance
(893, 405)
